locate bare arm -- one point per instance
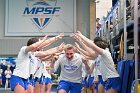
(82, 51)
(89, 51)
(51, 40)
(92, 67)
(85, 61)
(50, 51)
(85, 56)
(90, 43)
(46, 57)
(35, 46)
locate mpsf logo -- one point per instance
(41, 12)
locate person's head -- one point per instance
(8, 67)
(55, 57)
(32, 41)
(69, 51)
(101, 42)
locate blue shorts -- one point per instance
(31, 82)
(0, 77)
(40, 80)
(48, 80)
(114, 83)
(88, 81)
(69, 86)
(14, 80)
(100, 81)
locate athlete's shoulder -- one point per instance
(23, 48)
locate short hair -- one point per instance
(68, 46)
(101, 42)
(96, 39)
(32, 41)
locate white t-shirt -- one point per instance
(40, 69)
(1, 72)
(22, 64)
(8, 73)
(96, 70)
(107, 67)
(34, 63)
(46, 72)
(70, 70)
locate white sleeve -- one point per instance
(5, 72)
(106, 55)
(10, 72)
(23, 49)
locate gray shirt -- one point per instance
(70, 70)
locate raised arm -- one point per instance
(87, 57)
(33, 44)
(51, 40)
(90, 43)
(50, 51)
(82, 51)
(46, 57)
(89, 52)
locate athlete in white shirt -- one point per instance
(88, 79)
(22, 71)
(43, 77)
(98, 80)
(47, 75)
(94, 70)
(8, 74)
(39, 79)
(71, 64)
(98, 49)
(34, 63)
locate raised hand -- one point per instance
(76, 37)
(85, 60)
(45, 37)
(61, 47)
(55, 75)
(78, 33)
(60, 36)
(73, 35)
(77, 46)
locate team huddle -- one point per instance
(85, 64)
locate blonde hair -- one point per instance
(69, 46)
